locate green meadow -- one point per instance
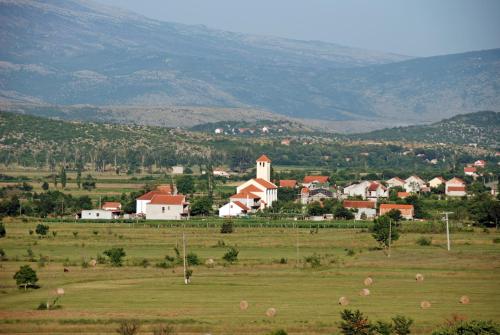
(271, 271)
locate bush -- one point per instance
(42, 229)
(354, 323)
(2, 255)
(75, 234)
(402, 325)
(3, 232)
(227, 228)
(278, 332)
(231, 255)
(424, 241)
(115, 256)
(474, 327)
(163, 330)
(496, 240)
(314, 260)
(128, 327)
(192, 259)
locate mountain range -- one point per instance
(71, 53)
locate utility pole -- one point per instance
(184, 257)
(447, 229)
(297, 262)
(390, 237)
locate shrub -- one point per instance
(383, 328)
(283, 260)
(75, 234)
(496, 240)
(100, 259)
(231, 255)
(30, 232)
(144, 263)
(227, 228)
(2, 255)
(41, 229)
(473, 327)
(278, 332)
(163, 330)
(314, 260)
(95, 232)
(192, 259)
(26, 277)
(167, 263)
(128, 327)
(54, 234)
(115, 256)
(350, 252)
(3, 232)
(402, 325)
(424, 241)
(30, 254)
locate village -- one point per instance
(365, 200)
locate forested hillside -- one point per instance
(46, 143)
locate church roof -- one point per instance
(264, 158)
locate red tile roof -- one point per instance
(395, 206)
(373, 186)
(455, 180)
(244, 195)
(264, 158)
(359, 204)
(167, 189)
(251, 188)
(470, 169)
(111, 204)
(240, 205)
(403, 194)
(265, 183)
(150, 195)
(167, 199)
(319, 179)
(456, 188)
(288, 183)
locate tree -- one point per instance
(45, 186)
(287, 194)
(417, 205)
(115, 256)
(63, 177)
(201, 206)
(355, 323)
(26, 277)
(54, 179)
(2, 230)
(380, 230)
(79, 177)
(128, 327)
(402, 325)
(315, 209)
(42, 229)
(341, 212)
(88, 183)
(185, 184)
(394, 215)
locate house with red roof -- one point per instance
(233, 208)
(436, 181)
(414, 184)
(394, 182)
(480, 163)
(143, 200)
(288, 183)
(316, 181)
(364, 209)
(376, 190)
(455, 187)
(407, 211)
(470, 171)
(111, 206)
(403, 195)
(167, 207)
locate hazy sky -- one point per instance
(411, 27)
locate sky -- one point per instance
(408, 27)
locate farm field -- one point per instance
(306, 298)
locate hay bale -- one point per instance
(368, 281)
(271, 312)
(93, 263)
(364, 292)
(343, 301)
(464, 300)
(243, 305)
(210, 263)
(60, 291)
(419, 277)
(425, 304)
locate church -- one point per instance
(254, 194)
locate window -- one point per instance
(97, 214)
(163, 209)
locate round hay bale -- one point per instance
(425, 304)
(343, 301)
(243, 305)
(60, 291)
(93, 263)
(364, 292)
(464, 300)
(271, 312)
(210, 263)
(368, 281)
(419, 277)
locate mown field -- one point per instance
(306, 298)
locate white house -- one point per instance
(413, 184)
(167, 207)
(394, 182)
(436, 181)
(480, 163)
(221, 173)
(143, 200)
(177, 169)
(364, 209)
(99, 214)
(376, 190)
(470, 171)
(112, 206)
(359, 189)
(455, 187)
(316, 182)
(316, 194)
(233, 208)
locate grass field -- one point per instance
(305, 298)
